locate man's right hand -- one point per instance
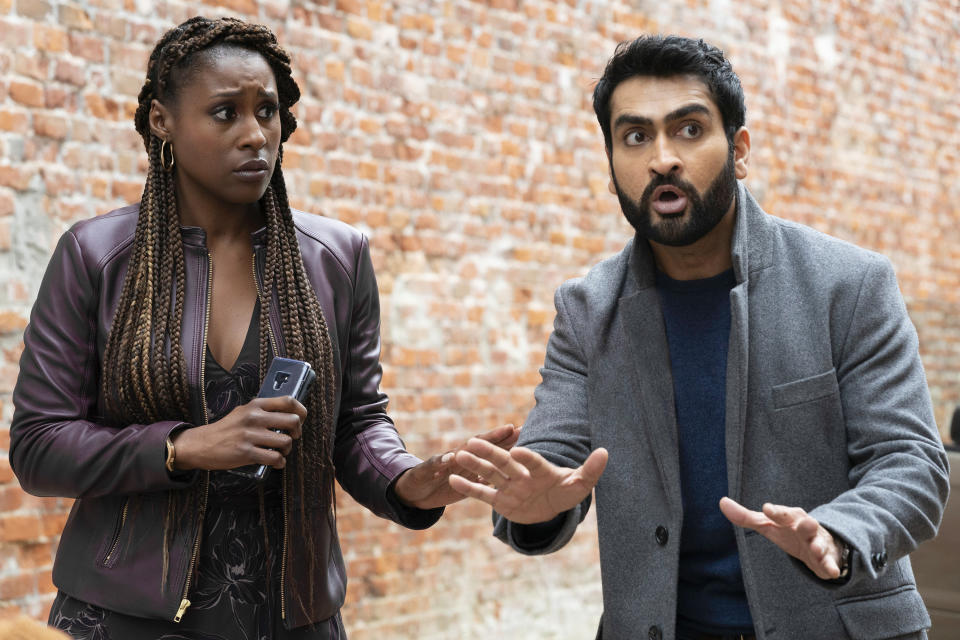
(520, 484)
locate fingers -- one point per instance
(484, 457)
(482, 469)
(472, 489)
(784, 516)
(504, 437)
(831, 568)
(593, 466)
(741, 516)
(284, 413)
(271, 439)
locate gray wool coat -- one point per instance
(827, 408)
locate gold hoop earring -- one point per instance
(163, 156)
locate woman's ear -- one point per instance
(161, 120)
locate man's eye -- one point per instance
(691, 130)
(634, 138)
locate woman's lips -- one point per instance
(668, 206)
(252, 170)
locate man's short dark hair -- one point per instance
(668, 56)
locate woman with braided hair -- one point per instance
(142, 361)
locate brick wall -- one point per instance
(459, 136)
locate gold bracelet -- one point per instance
(171, 455)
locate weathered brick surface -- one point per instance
(459, 136)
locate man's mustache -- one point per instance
(667, 180)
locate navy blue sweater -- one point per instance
(710, 593)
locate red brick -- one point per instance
(359, 29)
(88, 47)
(33, 9)
(74, 17)
(11, 497)
(114, 26)
(16, 177)
(356, 7)
(10, 322)
(128, 190)
(49, 38)
(13, 120)
(35, 556)
(15, 34)
(50, 126)
(27, 93)
(32, 65)
(72, 71)
(17, 586)
(52, 523)
(17, 527)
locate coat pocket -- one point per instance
(112, 548)
(800, 391)
(888, 614)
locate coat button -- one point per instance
(654, 633)
(662, 535)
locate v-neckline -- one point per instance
(253, 335)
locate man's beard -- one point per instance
(705, 212)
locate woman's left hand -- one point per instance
(425, 486)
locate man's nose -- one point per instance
(665, 159)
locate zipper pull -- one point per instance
(183, 607)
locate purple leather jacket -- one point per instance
(61, 446)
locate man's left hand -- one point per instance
(425, 486)
(793, 530)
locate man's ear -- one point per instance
(612, 188)
(161, 120)
(741, 152)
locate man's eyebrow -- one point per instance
(685, 111)
(629, 118)
(676, 114)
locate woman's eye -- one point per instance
(267, 111)
(634, 138)
(691, 130)
(224, 114)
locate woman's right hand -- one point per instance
(243, 436)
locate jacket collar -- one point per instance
(197, 237)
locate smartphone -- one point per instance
(285, 377)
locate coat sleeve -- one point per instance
(368, 453)
(57, 445)
(898, 474)
(557, 428)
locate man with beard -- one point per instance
(729, 374)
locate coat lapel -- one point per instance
(751, 252)
(648, 359)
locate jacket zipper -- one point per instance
(184, 602)
(283, 550)
(116, 535)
